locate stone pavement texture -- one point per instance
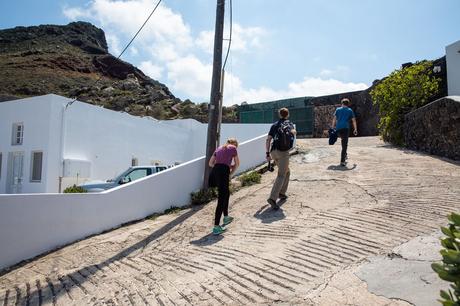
(335, 241)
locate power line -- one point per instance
(230, 36)
(124, 50)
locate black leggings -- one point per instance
(222, 179)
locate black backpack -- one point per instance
(284, 138)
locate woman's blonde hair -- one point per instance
(231, 141)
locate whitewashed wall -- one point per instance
(31, 224)
(109, 140)
(105, 139)
(196, 144)
(40, 127)
(453, 69)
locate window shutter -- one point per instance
(37, 158)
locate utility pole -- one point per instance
(216, 95)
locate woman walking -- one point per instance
(224, 163)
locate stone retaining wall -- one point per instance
(323, 119)
(361, 103)
(435, 128)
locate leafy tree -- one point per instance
(403, 91)
(449, 269)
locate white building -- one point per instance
(47, 144)
(453, 69)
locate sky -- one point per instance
(280, 48)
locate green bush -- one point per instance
(172, 210)
(403, 91)
(449, 269)
(250, 178)
(204, 196)
(74, 189)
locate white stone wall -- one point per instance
(453, 69)
(36, 223)
(104, 139)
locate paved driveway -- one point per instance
(334, 221)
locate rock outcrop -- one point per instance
(73, 61)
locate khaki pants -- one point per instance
(280, 186)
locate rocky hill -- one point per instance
(67, 60)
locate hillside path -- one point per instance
(308, 253)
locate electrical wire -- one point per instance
(124, 50)
(230, 36)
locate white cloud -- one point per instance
(339, 72)
(134, 51)
(171, 52)
(114, 44)
(310, 86)
(190, 75)
(75, 13)
(152, 70)
(166, 29)
(205, 41)
(326, 72)
(235, 93)
(244, 39)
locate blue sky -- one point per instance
(280, 49)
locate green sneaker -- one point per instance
(228, 220)
(217, 230)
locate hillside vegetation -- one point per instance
(67, 60)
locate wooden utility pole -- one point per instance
(214, 103)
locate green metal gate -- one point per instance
(301, 113)
(303, 119)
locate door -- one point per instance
(15, 172)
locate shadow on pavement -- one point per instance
(341, 168)
(50, 295)
(209, 239)
(267, 215)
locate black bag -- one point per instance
(332, 136)
(284, 138)
(212, 182)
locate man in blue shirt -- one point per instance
(341, 123)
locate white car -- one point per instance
(130, 175)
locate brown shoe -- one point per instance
(282, 197)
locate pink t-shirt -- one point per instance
(225, 154)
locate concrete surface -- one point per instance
(334, 223)
(406, 272)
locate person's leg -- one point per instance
(345, 145)
(286, 179)
(219, 177)
(282, 161)
(225, 192)
(344, 134)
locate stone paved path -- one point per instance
(334, 219)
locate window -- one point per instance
(18, 133)
(36, 173)
(136, 174)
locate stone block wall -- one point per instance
(361, 103)
(435, 128)
(323, 120)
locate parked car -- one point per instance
(130, 175)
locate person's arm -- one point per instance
(236, 161)
(212, 161)
(334, 122)
(267, 147)
(355, 126)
